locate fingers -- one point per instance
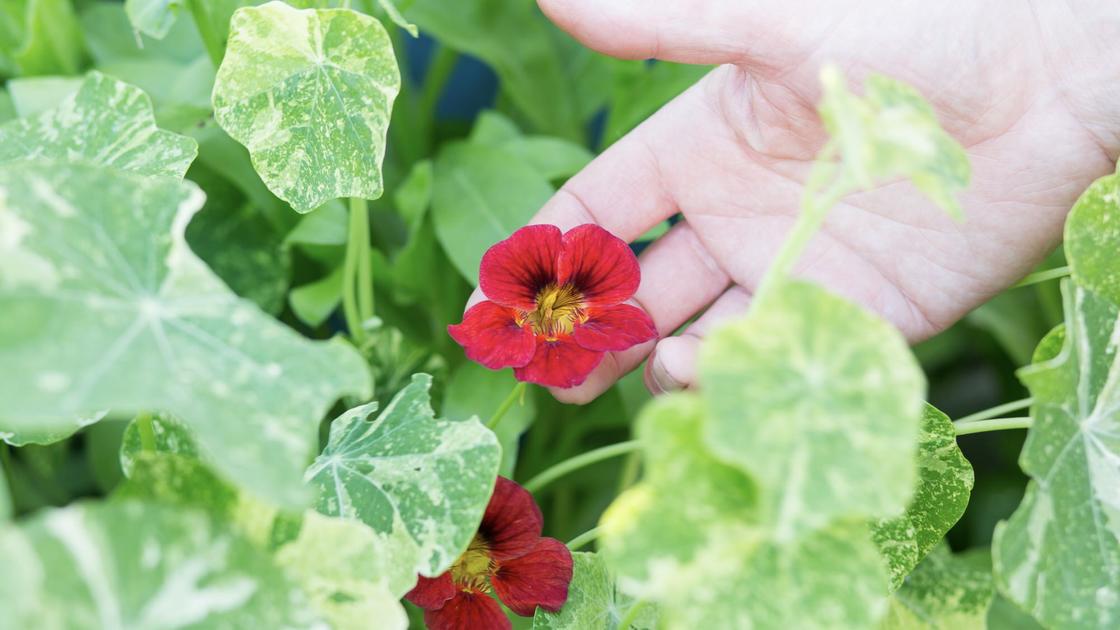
(761, 32)
(672, 365)
(679, 278)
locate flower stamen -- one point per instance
(473, 569)
(558, 309)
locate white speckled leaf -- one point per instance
(945, 592)
(1058, 556)
(945, 481)
(1092, 237)
(354, 576)
(107, 308)
(309, 93)
(594, 601)
(107, 123)
(892, 132)
(689, 538)
(820, 401)
(136, 565)
(434, 475)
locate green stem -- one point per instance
(815, 205)
(350, 284)
(583, 539)
(147, 433)
(215, 48)
(439, 71)
(995, 424)
(631, 615)
(359, 226)
(514, 394)
(1043, 276)
(579, 461)
(997, 411)
(630, 469)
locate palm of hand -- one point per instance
(731, 155)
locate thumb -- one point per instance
(756, 32)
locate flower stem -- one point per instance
(1043, 276)
(359, 219)
(514, 394)
(350, 276)
(435, 79)
(211, 40)
(147, 434)
(997, 411)
(995, 424)
(579, 461)
(583, 539)
(815, 205)
(631, 615)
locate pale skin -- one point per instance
(1030, 89)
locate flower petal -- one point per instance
(559, 363)
(467, 611)
(491, 336)
(600, 265)
(432, 593)
(538, 578)
(613, 328)
(512, 522)
(513, 271)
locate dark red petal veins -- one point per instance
(559, 363)
(538, 578)
(468, 611)
(432, 593)
(491, 336)
(514, 270)
(512, 522)
(614, 328)
(600, 265)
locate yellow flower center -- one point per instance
(557, 311)
(473, 569)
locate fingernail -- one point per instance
(660, 381)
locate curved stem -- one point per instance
(631, 615)
(359, 220)
(211, 39)
(995, 424)
(350, 283)
(1043, 276)
(514, 395)
(579, 461)
(583, 539)
(997, 411)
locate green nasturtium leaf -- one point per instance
(1058, 556)
(945, 592)
(105, 123)
(945, 481)
(309, 93)
(594, 601)
(892, 132)
(154, 18)
(408, 468)
(34, 95)
(5, 499)
(124, 317)
(136, 565)
(1092, 237)
(40, 37)
(482, 194)
(689, 538)
(354, 576)
(820, 401)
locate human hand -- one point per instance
(1029, 91)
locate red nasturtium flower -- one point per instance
(507, 556)
(555, 304)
